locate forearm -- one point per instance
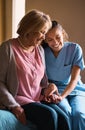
(69, 88)
(50, 89)
(6, 98)
(73, 82)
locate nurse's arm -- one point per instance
(74, 79)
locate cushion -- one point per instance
(9, 122)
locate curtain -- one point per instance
(2, 16)
(5, 20)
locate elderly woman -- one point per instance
(22, 73)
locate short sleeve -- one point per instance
(78, 57)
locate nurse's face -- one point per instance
(54, 38)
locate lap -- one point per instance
(41, 113)
(39, 110)
(78, 103)
(63, 119)
(65, 106)
(73, 104)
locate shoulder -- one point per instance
(40, 48)
(72, 45)
(5, 45)
(6, 49)
(42, 54)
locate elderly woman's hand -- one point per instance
(20, 114)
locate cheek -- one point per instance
(39, 36)
(49, 43)
(62, 39)
(62, 42)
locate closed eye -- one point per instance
(49, 40)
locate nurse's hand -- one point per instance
(59, 98)
(52, 88)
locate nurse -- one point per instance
(64, 62)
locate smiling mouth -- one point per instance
(56, 46)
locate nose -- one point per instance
(43, 36)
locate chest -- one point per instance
(59, 67)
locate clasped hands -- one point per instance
(51, 94)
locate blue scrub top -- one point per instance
(59, 68)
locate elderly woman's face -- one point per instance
(36, 38)
(54, 38)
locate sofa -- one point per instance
(9, 122)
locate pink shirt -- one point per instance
(30, 71)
